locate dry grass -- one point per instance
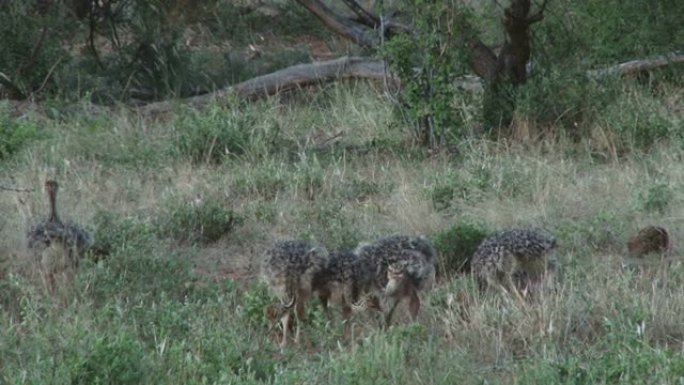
(128, 166)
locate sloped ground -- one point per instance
(175, 299)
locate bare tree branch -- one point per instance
(364, 16)
(635, 66)
(339, 24)
(483, 61)
(15, 189)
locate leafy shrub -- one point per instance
(265, 182)
(310, 178)
(428, 64)
(254, 301)
(235, 21)
(167, 318)
(212, 135)
(359, 189)
(17, 295)
(152, 62)
(206, 221)
(26, 64)
(579, 36)
(623, 355)
(442, 196)
(592, 32)
(266, 212)
(118, 359)
(333, 226)
(564, 98)
(140, 276)
(447, 188)
(115, 232)
(638, 121)
(599, 232)
(456, 246)
(229, 354)
(656, 198)
(223, 133)
(14, 134)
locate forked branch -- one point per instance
(364, 16)
(340, 25)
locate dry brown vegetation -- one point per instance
(183, 206)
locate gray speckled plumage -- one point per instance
(649, 240)
(74, 239)
(345, 279)
(402, 265)
(413, 255)
(521, 252)
(289, 269)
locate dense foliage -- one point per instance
(183, 204)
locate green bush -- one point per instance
(310, 178)
(656, 198)
(359, 189)
(14, 134)
(265, 212)
(230, 356)
(205, 222)
(152, 62)
(139, 276)
(622, 356)
(639, 120)
(564, 98)
(609, 31)
(428, 64)
(25, 64)
(115, 232)
(118, 359)
(576, 37)
(241, 24)
(331, 224)
(254, 300)
(598, 232)
(263, 180)
(217, 133)
(450, 187)
(456, 246)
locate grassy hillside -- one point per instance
(183, 206)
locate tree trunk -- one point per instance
(502, 73)
(500, 91)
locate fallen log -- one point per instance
(354, 67)
(636, 66)
(294, 77)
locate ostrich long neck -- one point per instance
(52, 198)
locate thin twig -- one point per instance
(15, 189)
(47, 77)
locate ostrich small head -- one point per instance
(51, 186)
